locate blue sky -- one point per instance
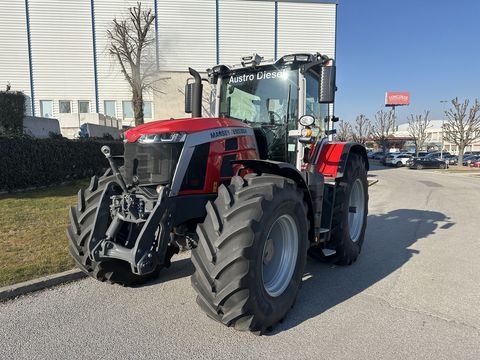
(429, 48)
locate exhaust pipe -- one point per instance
(197, 93)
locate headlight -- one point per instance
(306, 132)
(171, 137)
(307, 120)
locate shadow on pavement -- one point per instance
(385, 250)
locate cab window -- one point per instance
(312, 106)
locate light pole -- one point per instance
(443, 102)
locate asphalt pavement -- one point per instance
(414, 293)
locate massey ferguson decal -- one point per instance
(227, 132)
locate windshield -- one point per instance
(264, 97)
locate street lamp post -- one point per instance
(443, 124)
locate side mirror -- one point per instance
(327, 88)
(188, 97)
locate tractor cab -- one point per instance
(271, 97)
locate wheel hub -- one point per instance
(269, 251)
(279, 257)
(356, 210)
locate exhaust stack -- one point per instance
(196, 93)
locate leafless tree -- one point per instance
(130, 43)
(383, 127)
(344, 131)
(463, 125)
(362, 129)
(417, 128)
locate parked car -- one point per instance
(470, 153)
(397, 160)
(425, 163)
(421, 154)
(387, 159)
(383, 159)
(475, 164)
(451, 159)
(469, 159)
(374, 154)
(437, 155)
(379, 155)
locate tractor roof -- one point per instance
(255, 61)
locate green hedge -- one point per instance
(27, 162)
(12, 111)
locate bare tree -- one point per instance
(383, 127)
(417, 128)
(130, 43)
(344, 131)
(362, 129)
(463, 125)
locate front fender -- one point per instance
(276, 168)
(312, 184)
(333, 158)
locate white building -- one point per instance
(434, 138)
(56, 51)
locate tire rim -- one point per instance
(356, 210)
(279, 257)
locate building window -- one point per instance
(110, 108)
(127, 109)
(65, 106)
(147, 110)
(46, 108)
(84, 107)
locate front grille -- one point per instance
(151, 163)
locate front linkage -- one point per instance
(152, 215)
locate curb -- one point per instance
(12, 291)
(372, 182)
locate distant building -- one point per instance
(434, 138)
(56, 52)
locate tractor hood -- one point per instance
(187, 125)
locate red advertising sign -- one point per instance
(397, 98)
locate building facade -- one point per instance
(56, 52)
(434, 138)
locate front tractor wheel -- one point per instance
(80, 228)
(251, 253)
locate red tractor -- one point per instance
(251, 191)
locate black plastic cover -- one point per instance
(151, 163)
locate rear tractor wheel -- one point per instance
(349, 215)
(81, 225)
(251, 253)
